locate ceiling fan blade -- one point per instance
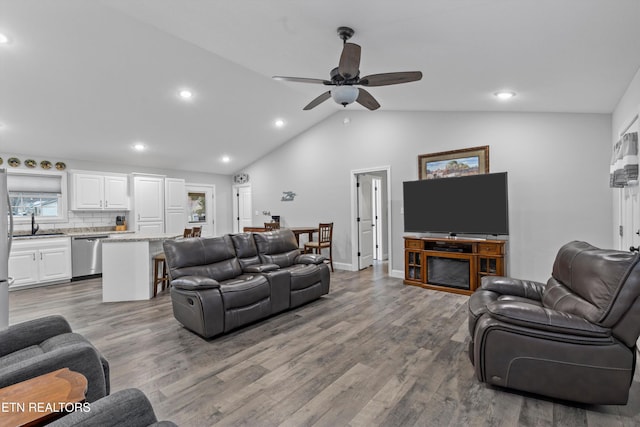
(386, 79)
(302, 80)
(366, 100)
(349, 61)
(319, 100)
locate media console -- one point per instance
(451, 264)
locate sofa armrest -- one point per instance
(517, 287)
(195, 283)
(128, 407)
(81, 357)
(310, 259)
(260, 268)
(31, 332)
(544, 319)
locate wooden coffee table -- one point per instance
(42, 399)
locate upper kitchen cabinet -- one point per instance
(148, 203)
(175, 195)
(94, 191)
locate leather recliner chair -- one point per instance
(573, 338)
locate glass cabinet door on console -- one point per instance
(490, 261)
(413, 261)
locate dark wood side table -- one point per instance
(41, 399)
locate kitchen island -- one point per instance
(127, 265)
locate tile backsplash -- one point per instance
(79, 219)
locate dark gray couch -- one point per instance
(573, 338)
(37, 347)
(222, 283)
(129, 408)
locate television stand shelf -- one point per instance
(451, 264)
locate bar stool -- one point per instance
(158, 260)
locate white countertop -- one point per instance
(140, 237)
(71, 234)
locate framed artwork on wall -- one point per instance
(446, 164)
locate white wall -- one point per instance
(97, 219)
(625, 111)
(558, 168)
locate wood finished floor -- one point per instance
(372, 352)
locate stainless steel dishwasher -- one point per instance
(86, 255)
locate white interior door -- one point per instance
(630, 221)
(365, 222)
(200, 210)
(630, 207)
(377, 218)
(242, 208)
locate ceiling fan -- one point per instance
(347, 75)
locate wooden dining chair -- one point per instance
(325, 238)
(270, 226)
(197, 232)
(187, 232)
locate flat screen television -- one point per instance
(474, 204)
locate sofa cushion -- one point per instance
(277, 247)
(244, 291)
(246, 249)
(212, 257)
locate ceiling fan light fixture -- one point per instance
(344, 95)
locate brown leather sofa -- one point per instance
(222, 283)
(573, 338)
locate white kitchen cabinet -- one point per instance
(148, 203)
(175, 201)
(40, 261)
(116, 192)
(150, 227)
(94, 191)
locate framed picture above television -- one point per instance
(447, 164)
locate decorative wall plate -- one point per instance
(14, 162)
(45, 164)
(1, 160)
(30, 163)
(60, 166)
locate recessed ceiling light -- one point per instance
(3, 39)
(346, 120)
(185, 94)
(225, 159)
(279, 123)
(504, 94)
(139, 146)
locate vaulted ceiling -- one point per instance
(87, 79)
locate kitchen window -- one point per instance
(42, 194)
(197, 207)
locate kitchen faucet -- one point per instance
(34, 227)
